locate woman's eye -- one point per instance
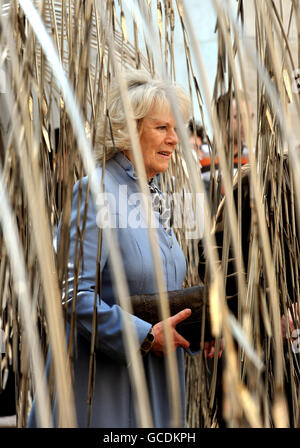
(161, 127)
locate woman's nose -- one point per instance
(172, 137)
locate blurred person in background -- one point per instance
(197, 139)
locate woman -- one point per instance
(113, 403)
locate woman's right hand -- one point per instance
(159, 344)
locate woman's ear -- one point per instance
(139, 125)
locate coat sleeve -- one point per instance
(110, 328)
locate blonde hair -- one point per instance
(144, 92)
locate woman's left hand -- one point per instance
(290, 323)
(209, 348)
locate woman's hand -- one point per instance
(159, 344)
(209, 348)
(290, 323)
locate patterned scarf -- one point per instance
(163, 205)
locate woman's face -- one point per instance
(158, 140)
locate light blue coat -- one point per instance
(113, 401)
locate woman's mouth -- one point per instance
(165, 154)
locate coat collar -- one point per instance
(125, 163)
